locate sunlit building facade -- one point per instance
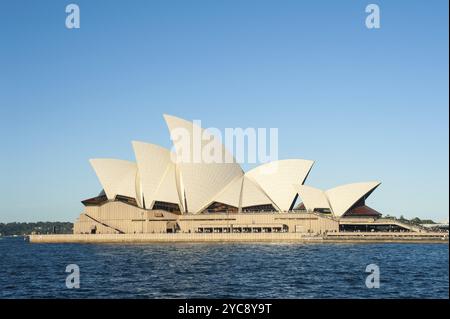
(160, 193)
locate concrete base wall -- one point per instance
(176, 237)
(118, 217)
(234, 237)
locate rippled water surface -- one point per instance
(223, 270)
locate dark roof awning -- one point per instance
(363, 211)
(95, 201)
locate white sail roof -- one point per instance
(253, 195)
(343, 197)
(202, 180)
(118, 177)
(157, 173)
(187, 178)
(231, 194)
(276, 179)
(312, 197)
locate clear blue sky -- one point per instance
(364, 104)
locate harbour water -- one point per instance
(217, 270)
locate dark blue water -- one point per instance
(223, 270)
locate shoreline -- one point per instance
(241, 238)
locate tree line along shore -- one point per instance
(23, 229)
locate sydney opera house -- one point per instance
(158, 193)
